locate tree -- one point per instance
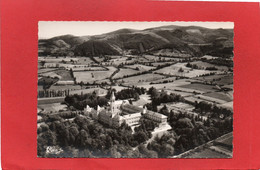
(180, 70)
(136, 96)
(140, 137)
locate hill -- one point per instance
(191, 40)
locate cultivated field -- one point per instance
(200, 87)
(225, 80)
(220, 95)
(165, 80)
(140, 67)
(44, 70)
(91, 76)
(87, 68)
(174, 70)
(204, 65)
(155, 64)
(65, 75)
(57, 59)
(65, 87)
(142, 78)
(125, 72)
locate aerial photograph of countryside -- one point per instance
(135, 89)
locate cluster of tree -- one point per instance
(133, 92)
(81, 101)
(162, 82)
(146, 126)
(193, 66)
(163, 146)
(181, 70)
(163, 65)
(211, 68)
(47, 82)
(216, 112)
(208, 74)
(161, 97)
(221, 62)
(82, 138)
(193, 131)
(52, 93)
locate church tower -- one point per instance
(112, 102)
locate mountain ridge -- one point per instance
(192, 40)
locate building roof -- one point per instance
(155, 114)
(132, 115)
(113, 96)
(129, 109)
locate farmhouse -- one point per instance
(121, 111)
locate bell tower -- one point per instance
(112, 102)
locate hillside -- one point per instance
(192, 40)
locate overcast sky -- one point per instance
(49, 29)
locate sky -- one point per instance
(49, 29)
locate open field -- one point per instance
(118, 88)
(200, 87)
(174, 70)
(204, 65)
(87, 68)
(225, 80)
(211, 77)
(57, 59)
(44, 70)
(140, 67)
(85, 60)
(210, 99)
(51, 74)
(62, 74)
(65, 75)
(144, 99)
(65, 87)
(165, 80)
(206, 153)
(142, 78)
(42, 101)
(125, 72)
(99, 91)
(54, 107)
(183, 94)
(91, 76)
(155, 64)
(218, 79)
(171, 86)
(151, 58)
(194, 99)
(171, 53)
(220, 95)
(228, 105)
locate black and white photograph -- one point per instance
(135, 89)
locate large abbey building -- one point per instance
(121, 111)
